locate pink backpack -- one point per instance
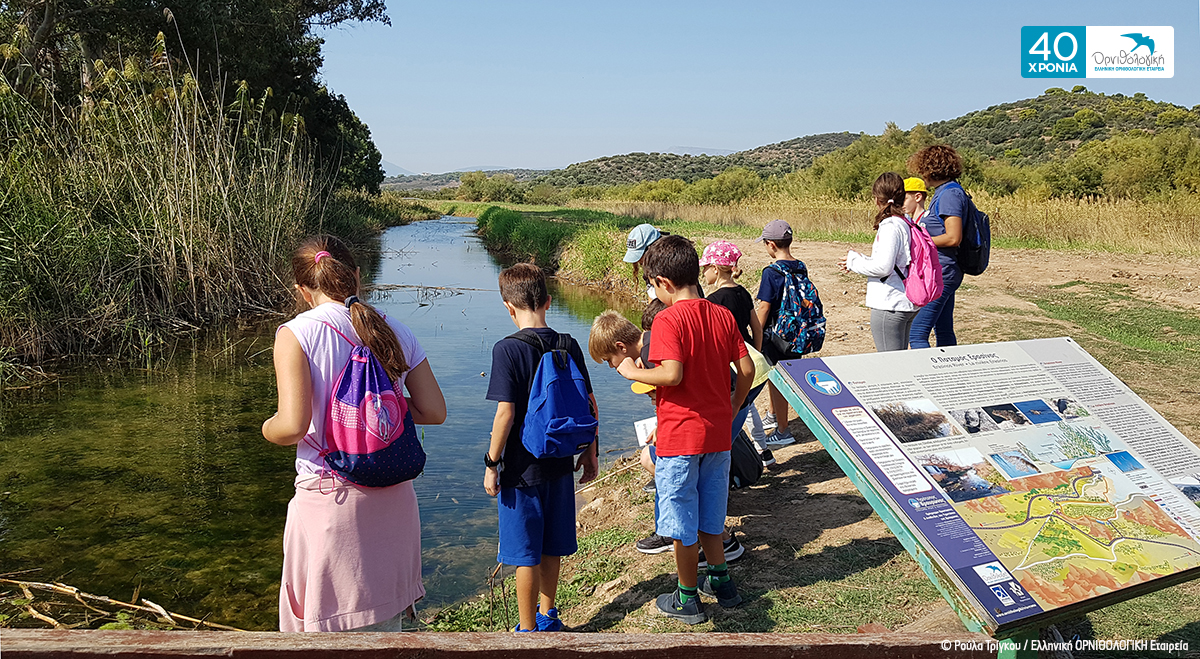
(369, 433)
(923, 284)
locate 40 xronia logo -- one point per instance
(1078, 51)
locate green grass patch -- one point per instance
(1168, 615)
(595, 563)
(588, 242)
(1112, 311)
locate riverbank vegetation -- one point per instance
(151, 184)
(152, 209)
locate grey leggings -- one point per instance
(890, 329)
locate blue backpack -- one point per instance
(799, 327)
(975, 250)
(559, 422)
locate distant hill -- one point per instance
(699, 151)
(1035, 129)
(392, 169)
(773, 159)
(451, 179)
(1029, 131)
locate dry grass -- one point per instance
(1152, 227)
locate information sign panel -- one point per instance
(1038, 483)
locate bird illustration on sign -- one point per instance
(1140, 40)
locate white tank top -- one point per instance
(327, 355)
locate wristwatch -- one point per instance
(489, 462)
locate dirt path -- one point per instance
(818, 558)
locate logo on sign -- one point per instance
(823, 382)
(1091, 51)
(1002, 596)
(1053, 52)
(992, 573)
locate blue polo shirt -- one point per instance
(950, 200)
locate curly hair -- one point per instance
(939, 162)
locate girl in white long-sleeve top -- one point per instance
(891, 311)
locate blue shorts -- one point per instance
(692, 495)
(535, 521)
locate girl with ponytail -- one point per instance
(351, 554)
(891, 311)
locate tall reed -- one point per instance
(150, 207)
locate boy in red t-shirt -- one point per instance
(694, 343)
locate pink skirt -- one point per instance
(351, 556)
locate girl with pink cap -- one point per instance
(719, 268)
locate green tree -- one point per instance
(731, 185)
(1173, 117)
(1087, 118)
(1066, 128)
(265, 44)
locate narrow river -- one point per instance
(158, 480)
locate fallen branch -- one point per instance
(607, 476)
(145, 607)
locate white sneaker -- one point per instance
(769, 422)
(780, 438)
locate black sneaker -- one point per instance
(692, 613)
(733, 550)
(726, 593)
(649, 487)
(655, 544)
(767, 457)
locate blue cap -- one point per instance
(639, 239)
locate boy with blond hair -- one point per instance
(694, 343)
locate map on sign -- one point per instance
(1087, 531)
(1034, 477)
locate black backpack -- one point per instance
(975, 250)
(745, 465)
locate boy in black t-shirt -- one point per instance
(536, 496)
(777, 237)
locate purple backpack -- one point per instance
(370, 438)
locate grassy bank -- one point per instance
(585, 245)
(153, 210)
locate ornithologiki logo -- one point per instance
(1140, 61)
(1078, 51)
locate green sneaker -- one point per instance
(726, 593)
(692, 613)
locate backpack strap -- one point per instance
(562, 346)
(530, 337)
(912, 225)
(339, 333)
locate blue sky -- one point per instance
(454, 84)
